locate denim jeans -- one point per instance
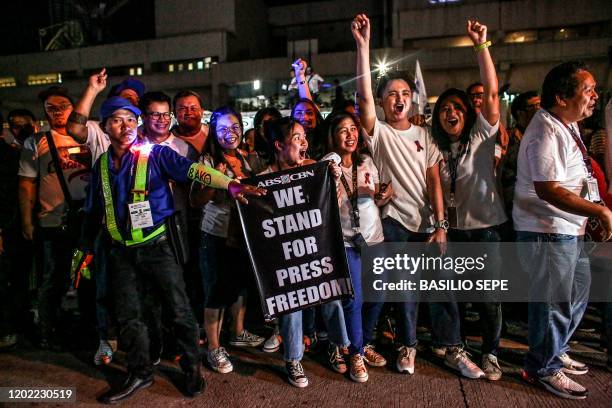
(553, 258)
(132, 272)
(292, 333)
(360, 317)
(490, 312)
(445, 320)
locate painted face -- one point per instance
(475, 94)
(396, 100)
(306, 115)
(57, 109)
(189, 112)
(293, 151)
(130, 95)
(582, 104)
(346, 136)
(121, 127)
(452, 116)
(229, 132)
(158, 118)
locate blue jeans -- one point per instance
(292, 334)
(490, 312)
(360, 317)
(552, 322)
(445, 320)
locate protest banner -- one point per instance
(294, 240)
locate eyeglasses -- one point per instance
(224, 131)
(160, 115)
(52, 109)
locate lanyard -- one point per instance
(453, 165)
(579, 143)
(352, 195)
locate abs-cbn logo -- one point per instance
(286, 178)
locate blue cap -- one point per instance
(114, 103)
(130, 83)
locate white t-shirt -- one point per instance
(369, 215)
(36, 162)
(178, 145)
(313, 82)
(548, 152)
(477, 200)
(403, 157)
(97, 140)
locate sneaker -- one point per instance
(373, 358)
(8, 341)
(104, 355)
(295, 374)
(491, 367)
(218, 359)
(457, 359)
(344, 351)
(359, 372)
(571, 366)
(273, 343)
(558, 384)
(246, 339)
(439, 352)
(336, 360)
(405, 360)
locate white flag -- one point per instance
(420, 94)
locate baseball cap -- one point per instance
(129, 83)
(114, 103)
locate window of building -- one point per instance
(44, 79)
(521, 36)
(7, 82)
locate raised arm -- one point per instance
(299, 67)
(77, 122)
(488, 76)
(360, 27)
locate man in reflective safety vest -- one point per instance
(130, 192)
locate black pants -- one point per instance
(132, 272)
(15, 268)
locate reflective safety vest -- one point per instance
(139, 194)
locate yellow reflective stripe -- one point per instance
(140, 190)
(109, 209)
(159, 231)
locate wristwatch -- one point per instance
(442, 224)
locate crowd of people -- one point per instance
(151, 191)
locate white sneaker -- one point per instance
(563, 386)
(218, 359)
(571, 366)
(405, 360)
(295, 374)
(273, 343)
(359, 372)
(457, 359)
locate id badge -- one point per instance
(140, 215)
(592, 189)
(452, 217)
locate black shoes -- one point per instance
(194, 383)
(132, 385)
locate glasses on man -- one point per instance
(224, 131)
(54, 109)
(160, 115)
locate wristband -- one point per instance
(482, 46)
(76, 117)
